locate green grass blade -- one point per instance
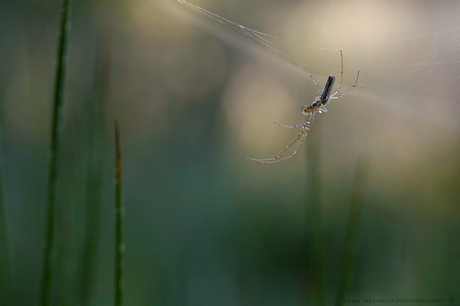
(315, 259)
(97, 123)
(6, 287)
(64, 28)
(352, 235)
(119, 213)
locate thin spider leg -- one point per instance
(317, 87)
(341, 74)
(281, 153)
(303, 132)
(292, 126)
(293, 153)
(308, 122)
(353, 86)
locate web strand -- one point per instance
(422, 64)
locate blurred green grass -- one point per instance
(54, 155)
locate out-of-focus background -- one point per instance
(205, 226)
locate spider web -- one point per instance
(425, 67)
(428, 65)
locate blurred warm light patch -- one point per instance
(156, 18)
(252, 102)
(348, 24)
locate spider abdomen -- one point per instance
(327, 89)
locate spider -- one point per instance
(319, 105)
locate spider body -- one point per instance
(321, 99)
(318, 105)
(326, 94)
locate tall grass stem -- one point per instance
(315, 238)
(352, 235)
(97, 149)
(119, 213)
(53, 153)
(6, 286)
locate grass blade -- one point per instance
(97, 123)
(6, 287)
(354, 220)
(315, 258)
(119, 213)
(64, 28)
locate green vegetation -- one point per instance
(54, 152)
(119, 214)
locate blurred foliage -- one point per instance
(204, 226)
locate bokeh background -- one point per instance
(204, 226)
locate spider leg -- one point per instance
(293, 126)
(353, 86)
(317, 87)
(341, 74)
(303, 125)
(293, 153)
(262, 160)
(303, 132)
